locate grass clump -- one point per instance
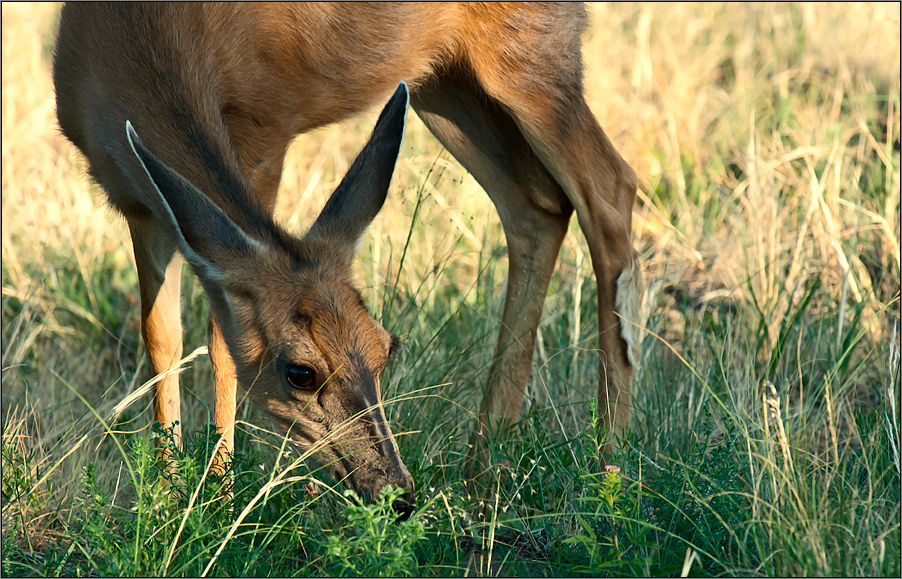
(158, 520)
(180, 518)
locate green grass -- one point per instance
(765, 438)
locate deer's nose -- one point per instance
(404, 506)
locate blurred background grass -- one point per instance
(766, 138)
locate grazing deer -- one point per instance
(185, 111)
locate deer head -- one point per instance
(304, 346)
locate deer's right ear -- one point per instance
(362, 192)
(205, 235)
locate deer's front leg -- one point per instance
(225, 384)
(159, 278)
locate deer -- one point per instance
(184, 113)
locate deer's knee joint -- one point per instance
(627, 185)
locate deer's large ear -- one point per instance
(361, 194)
(205, 235)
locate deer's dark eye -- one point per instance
(301, 377)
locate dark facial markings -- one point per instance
(395, 345)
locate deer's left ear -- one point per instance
(205, 235)
(208, 239)
(362, 192)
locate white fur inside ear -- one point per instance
(628, 303)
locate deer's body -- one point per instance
(218, 91)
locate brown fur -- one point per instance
(217, 92)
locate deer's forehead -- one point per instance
(298, 284)
(339, 320)
(316, 300)
(338, 313)
(327, 306)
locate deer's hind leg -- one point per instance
(534, 213)
(539, 81)
(159, 278)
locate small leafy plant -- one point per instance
(373, 543)
(614, 531)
